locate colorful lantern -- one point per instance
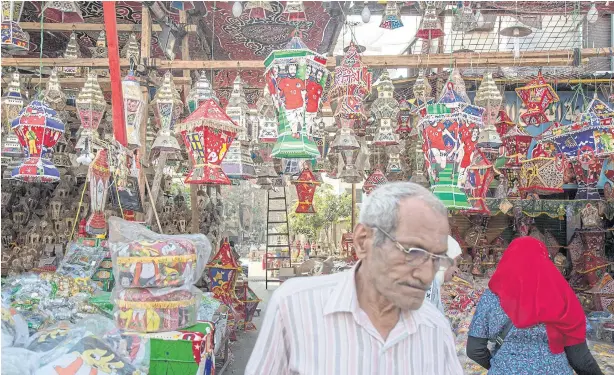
(166, 108)
(200, 92)
(543, 175)
(537, 96)
(258, 9)
(72, 52)
(391, 19)
(385, 108)
(134, 108)
(207, 134)
(62, 12)
(306, 184)
(250, 302)
(99, 174)
(38, 129)
(295, 78)
(238, 163)
(503, 123)
(53, 94)
(375, 179)
(90, 108)
(430, 27)
(422, 88)
(405, 119)
(351, 86)
(12, 101)
(394, 160)
(516, 143)
(295, 11)
(15, 41)
(489, 98)
(480, 175)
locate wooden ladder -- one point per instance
(277, 253)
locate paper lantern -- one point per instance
(537, 96)
(250, 302)
(53, 95)
(258, 9)
(348, 172)
(200, 92)
(207, 134)
(306, 184)
(375, 179)
(90, 109)
(38, 129)
(295, 77)
(587, 168)
(480, 175)
(62, 12)
(405, 119)
(385, 108)
(267, 119)
(99, 174)
(238, 163)
(166, 108)
(295, 10)
(12, 101)
(72, 52)
(422, 89)
(351, 86)
(503, 123)
(516, 143)
(543, 175)
(134, 108)
(391, 19)
(489, 97)
(430, 27)
(14, 40)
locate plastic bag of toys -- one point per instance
(156, 310)
(14, 328)
(81, 261)
(19, 361)
(145, 259)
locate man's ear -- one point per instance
(362, 236)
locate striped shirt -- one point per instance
(314, 326)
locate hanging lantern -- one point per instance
(405, 120)
(98, 175)
(351, 86)
(53, 94)
(250, 301)
(422, 88)
(385, 108)
(306, 184)
(264, 165)
(223, 272)
(132, 49)
(166, 108)
(134, 108)
(489, 97)
(391, 19)
(267, 120)
(543, 174)
(238, 163)
(321, 163)
(100, 51)
(394, 160)
(459, 85)
(503, 123)
(345, 138)
(62, 12)
(72, 52)
(480, 175)
(258, 9)
(375, 179)
(38, 129)
(537, 96)
(516, 143)
(207, 134)
(90, 108)
(294, 77)
(430, 27)
(15, 41)
(12, 101)
(348, 171)
(11, 151)
(464, 19)
(295, 11)
(417, 175)
(200, 92)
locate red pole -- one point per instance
(110, 20)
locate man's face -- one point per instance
(292, 70)
(386, 266)
(474, 134)
(319, 75)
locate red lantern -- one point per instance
(516, 143)
(306, 184)
(347, 244)
(537, 95)
(207, 134)
(376, 179)
(503, 123)
(479, 177)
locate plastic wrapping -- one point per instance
(156, 310)
(14, 328)
(122, 233)
(18, 361)
(155, 264)
(81, 261)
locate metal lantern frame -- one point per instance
(14, 40)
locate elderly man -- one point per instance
(371, 319)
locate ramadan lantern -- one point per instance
(90, 108)
(62, 12)
(385, 108)
(134, 109)
(422, 89)
(405, 119)
(351, 86)
(503, 123)
(166, 108)
(250, 301)
(489, 98)
(98, 174)
(15, 41)
(537, 96)
(295, 11)
(391, 19)
(374, 180)
(12, 101)
(38, 129)
(207, 134)
(53, 95)
(267, 119)
(306, 184)
(200, 92)
(222, 272)
(295, 77)
(430, 27)
(258, 9)
(516, 143)
(480, 175)
(72, 52)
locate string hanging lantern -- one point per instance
(306, 184)
(14, 40)
(99, 174)
(267, 119)
(385, 108)
(132, 49)
(489, 97)
(90, 108)
(53, 95)
(38, 129)
(12, 101)
(295, 77)
(464, 18)
(200, 92)
(166, 108)
(537, 96)
(391, 19)
(134, 109)
(72, 52)
(100, 51)
(430, 26)
(422, 89)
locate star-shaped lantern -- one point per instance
(537, 96)
(306, 184)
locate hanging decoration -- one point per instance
(100, 51)
(543, 174)
(134, 109)
(503, 123)
(375, 179)
(516, 143)
(200, 92)
(391, 19)
(267, 119)
(430, 26)
(385, 108)
(405, 119)
(295, 10)
(14, 40)
(351, 86)
(294, 77)
(394, 160)
(537, 96)
(207, 134)
(258, 9)
(38, 129)
(480, 175)
(12, 101)
(53, 95)
(132, 49)
(464, 18)
(90, 108)
(250, 302)
(98, 175)
(62, 12)
(72, 52)
(422, 89)
(166, 107)
(489, 98)
(306, 184)
(264, 165)
(238, 163)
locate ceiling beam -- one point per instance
(68, 27)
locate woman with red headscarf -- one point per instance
(533, 314)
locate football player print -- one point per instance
(293, 93)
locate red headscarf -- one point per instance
(533, 291)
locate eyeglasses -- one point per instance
(416, 256)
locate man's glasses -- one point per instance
(416, 256)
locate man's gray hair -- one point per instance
(381, 208)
